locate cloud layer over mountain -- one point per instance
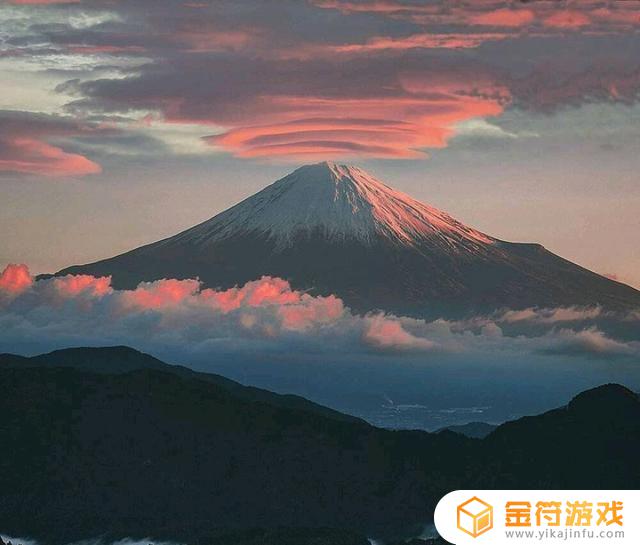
(266, 315)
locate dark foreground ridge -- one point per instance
(115, 443)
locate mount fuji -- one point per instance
(335, 229)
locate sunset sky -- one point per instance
(122, 122)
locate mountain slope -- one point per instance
(149, 452)
(335, 229)
(599, 428)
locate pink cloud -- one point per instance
(422, 115)
(74, 285)
(567, 19)
(266, 308)
(291, 309)
(296, 310)
(388, 334)
(267, 314)
(270, 291)
(459, 40)
(31, 156)
(387, 7)
(43, 2)
(15, 279)
(549, 86)
(285, 98)
(549, 15)
(592, 341)
(311, 311)
(159, 294)
(504, 18)
(625, 15)
(26, 144)
(266, 291)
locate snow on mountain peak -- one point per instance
(339, 202)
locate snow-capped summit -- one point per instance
(338, 202)
(335, 229)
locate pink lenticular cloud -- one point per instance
(31, 156)
(387, 7)
(31, 143)
(549, 15)
(421, 116)
(504, 18)
(431, 40)
(15, 279)
(285, 97)
(627, 15)
(567, 19)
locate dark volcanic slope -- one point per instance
(335, 229)
(150, 452)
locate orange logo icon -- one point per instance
(475, 517)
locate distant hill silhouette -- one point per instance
(135, 448)
(475, 430)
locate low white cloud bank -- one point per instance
(125, 541)
(266, 315)
(17, 540)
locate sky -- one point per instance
(122, 122)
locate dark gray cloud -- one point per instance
(241, 66)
